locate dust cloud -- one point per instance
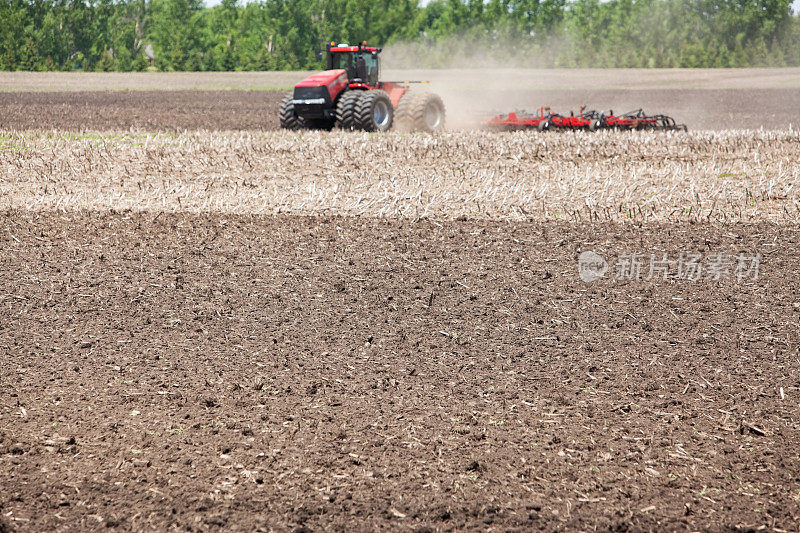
(479, 77)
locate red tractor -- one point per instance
(350, 96)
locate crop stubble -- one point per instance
(604, 176)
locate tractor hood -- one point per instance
(324, 85)
(319, 90)
(323, 78)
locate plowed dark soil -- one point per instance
(206, 373)
(147, 110)
(257, 110)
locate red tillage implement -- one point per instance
(638, 120)
(584, 120)
(520, 120)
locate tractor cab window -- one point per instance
(370, 68)
(363, 66)
(346, 61)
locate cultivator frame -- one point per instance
(520, 120)
(590, 120)
(638, 120)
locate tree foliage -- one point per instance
(284, 34)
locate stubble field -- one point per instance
(210, 325)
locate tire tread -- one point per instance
(410, 113)
(288, 119)
(346, 110)
(364, 117)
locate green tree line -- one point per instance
(184, 35)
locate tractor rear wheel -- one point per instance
(288, 118)
(374, 111)
(421, 112)
(346, 110)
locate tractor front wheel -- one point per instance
(374, 111)
(288, 118)
(346, 110)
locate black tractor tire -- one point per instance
(346, 110)
(420, 112)
(544, 125)
(288, 118)
(594, 125)
(374, 111)
(402, 113)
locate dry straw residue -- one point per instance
(730, 176)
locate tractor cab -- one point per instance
(361, 62)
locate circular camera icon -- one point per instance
(591, 266)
